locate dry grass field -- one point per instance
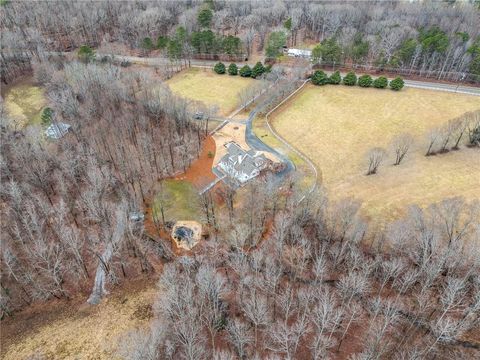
(77, 330)
(210, 88)
(24, 103)
(336, 125)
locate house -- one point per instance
(238, 166)
(57, 130)
(299, 53)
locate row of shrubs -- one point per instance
(244, 71)
(320, 78)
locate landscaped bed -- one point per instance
(336, 125)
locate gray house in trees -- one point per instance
(238, 166)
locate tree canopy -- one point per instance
(275, 42)
(205, 17)
(319, 78)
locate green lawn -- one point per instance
(180, 201)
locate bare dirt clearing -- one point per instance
(210, 88)
(336, 125)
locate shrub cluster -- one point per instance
(219, 68)
(321, 78)
(244, 71)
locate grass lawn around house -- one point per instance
(336, 125)
(24, 103)
(210, 88)
(180, 201)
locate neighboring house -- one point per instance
(299, 53)
(239, 166)
(57, 130)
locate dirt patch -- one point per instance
(233, 132)
(187, 234)
(143, 312)
(200, 171)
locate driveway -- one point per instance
(255, 143)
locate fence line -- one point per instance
(283, 141)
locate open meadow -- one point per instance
(24, 102)
(75, 329)
(210, 88)
(336, 125)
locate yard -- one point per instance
(336, 125)
(210, 88)
(24, 103)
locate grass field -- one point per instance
(24, 103)
(336, 125)
(76, 330)
(211, 89)
(180, 201)
(306, 176)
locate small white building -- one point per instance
(299, 53)
(57, 130)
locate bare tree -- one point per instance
(433, 136)
(239, 336)
(256, 310)
(401, 144)
(375, 157)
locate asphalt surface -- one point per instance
(255, 143)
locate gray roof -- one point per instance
(238, 163)
(57, 130)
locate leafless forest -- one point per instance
(276, 279)
(430, 39)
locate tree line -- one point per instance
(350, 79)
(433, 39)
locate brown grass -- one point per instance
(24, 103)
(77, 330)
(336, 125)
(210, 88)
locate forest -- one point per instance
(279, 275)
(437, 39)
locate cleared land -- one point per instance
(75, 329)
(210, 88)
(24, 103)
(336, 125)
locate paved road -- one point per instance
(157, 61)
